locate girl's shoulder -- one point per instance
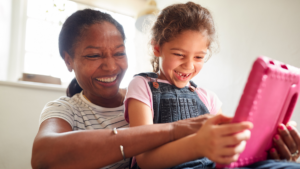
(204, 91)
(143, 79)
(210, 99)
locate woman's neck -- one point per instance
(112, 102)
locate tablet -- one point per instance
(268, 99)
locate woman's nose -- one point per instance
(109, 64)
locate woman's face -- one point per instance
(99, 61)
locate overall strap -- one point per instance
(154, 75)
(193, 84)
(147, 74)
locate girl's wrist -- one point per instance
(171, 131)
(196, 146)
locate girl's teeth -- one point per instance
(180, 74)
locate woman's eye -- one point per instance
(120, 54)
(93, 56)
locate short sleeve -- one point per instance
(58, 109)
(210, 99)
(138, 89)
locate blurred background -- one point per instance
(32, 72)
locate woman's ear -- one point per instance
(68, 61)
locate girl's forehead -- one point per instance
(188, 39)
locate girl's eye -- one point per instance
(199, 57)
(177, 54)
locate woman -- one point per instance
(76, 131)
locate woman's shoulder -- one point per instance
(64, 101)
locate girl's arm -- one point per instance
(212, 140)
(57, 146)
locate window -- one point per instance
(44, 22)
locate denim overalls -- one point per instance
(171, 104)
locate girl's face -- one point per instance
(99, 61)
(182, 58)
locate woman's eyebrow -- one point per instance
(93, 47)
(202, 52)
(120, 46)
(98, 47)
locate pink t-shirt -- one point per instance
(139, 89)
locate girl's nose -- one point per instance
(109, 64)
(188, 63)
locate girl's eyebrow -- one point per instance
(202, 52)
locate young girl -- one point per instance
(182, 36)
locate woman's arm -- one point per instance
(211, 142)
(57, 146)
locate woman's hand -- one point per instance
(287, 143)
(221, 141)
(189, 126)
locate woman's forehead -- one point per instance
(103, 34)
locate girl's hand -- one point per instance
(221, 141)
(189, 126)
(287, 143)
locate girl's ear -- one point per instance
(68, 61)
(156, 50)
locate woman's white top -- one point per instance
(84, 115)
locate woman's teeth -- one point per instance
(107, 79)
(183, 74)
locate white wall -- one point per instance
(245, 28)
(20, 108)
(5, 22)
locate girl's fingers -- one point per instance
(227, 159)
(219, 119)
(273, 154)
(287, 138)
(233, 150)
(237, 138)
(228, 129)
(281, 148)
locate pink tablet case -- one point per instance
(269, 98)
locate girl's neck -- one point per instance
(161, 76)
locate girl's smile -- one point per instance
(182, 58)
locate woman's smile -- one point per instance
(107, 81)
